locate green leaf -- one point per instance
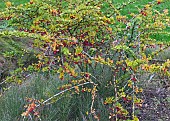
(65, 51)
(78, 50)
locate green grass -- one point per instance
(133, 8)
(13, 48)
(66, 107)
(129, 8)
(14, 2)
(140, 4)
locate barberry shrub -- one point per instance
(95, 47)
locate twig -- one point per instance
(30, 117)
(2, 82)
(151, 77)
(63, 92)
(115, 89)
(133, 98)
(87, 55)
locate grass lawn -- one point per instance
(15, 2)
(140, 4)
(131, 8)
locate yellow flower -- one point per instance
(19, 82)
(137, 90)
(135, 118)
(8, 4)
(87, 113)
(165, 11)
(130, 85)
(140, 90)
(147, 6)
(77, 89)
(109, 29)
